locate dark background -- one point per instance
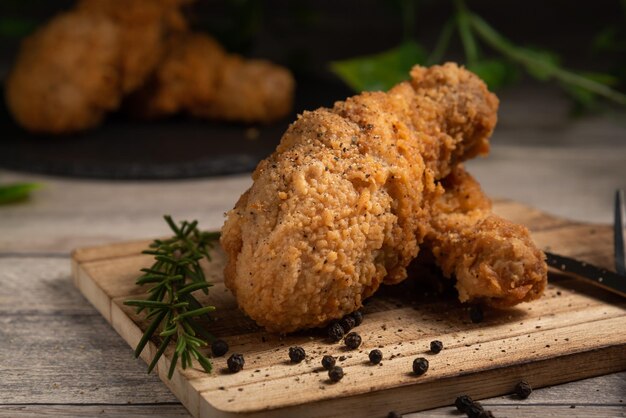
(305, 36)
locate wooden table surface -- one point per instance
(59, 357)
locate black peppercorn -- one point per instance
(476, 314)
(436, 346)
(486, 414)
(358, 318)
(463, 403)
(219, 348)
(376, 356)
(328, 362)
(347, 323)
(420, 366)
(335, 332)
(393, 414)
(335, 374)
(352, 340)
(523, 389)
(296, 354)
(235, 363)
(475, 410)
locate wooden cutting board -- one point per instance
(574, 331)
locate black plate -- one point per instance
(174, 148)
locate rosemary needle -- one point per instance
(174, 276)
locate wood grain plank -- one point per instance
(377, 403)
(89, 411)
(56, 348)
(543, 341)
(40, 288)
(418, 328)
(481, 373)
(69, 213)
(179, 411)
(103, 252)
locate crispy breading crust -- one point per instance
(345, 200)
(494, 260)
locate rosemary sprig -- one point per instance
(174, 276)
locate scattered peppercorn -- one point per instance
(219, 348)
(335, 332)
(328, 362)
(393, 414)
(347, 323)
(436, 346)
(476, 314)
(420, 366)
(376, 356)
(486, 414)
(352, 340)
(358, 318)
(296, 354)
(463, 403)
(335, 374)
(235, 363)
(523, 389)
(474, 410)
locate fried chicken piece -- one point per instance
(66, 76)
(78, 66)
(494, 260)
(59, 82)
(198, 76)
(345, 200)
(186, 76)
(144, 27)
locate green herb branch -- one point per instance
(171, 306)
(382, 71)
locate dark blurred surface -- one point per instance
(304, 35)
(177, 147)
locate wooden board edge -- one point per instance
(91, 291)
(480, 385)
(109, 251)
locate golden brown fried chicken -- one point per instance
(493, 260)
(78, 66)
(66, 76)
(83, 63)
(347, 197)
(187, 75)
(144, 27)
(198, 76)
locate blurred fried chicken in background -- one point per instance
(66, 77)
(144, 27)
(84, 63)
(196, 75)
